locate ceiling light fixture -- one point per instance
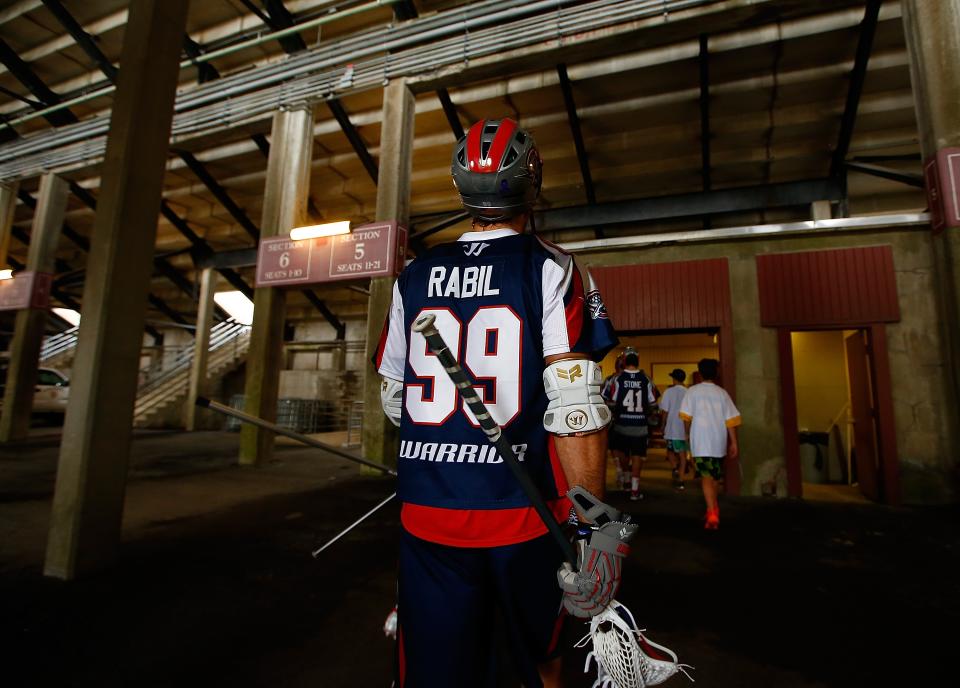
(317, 231)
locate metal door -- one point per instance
(864, 415)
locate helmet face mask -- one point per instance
(497, 170)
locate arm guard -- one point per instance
(391, 399)
(575, 406)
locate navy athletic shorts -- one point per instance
(451, 599)
(631, 445)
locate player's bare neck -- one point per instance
(518, 224)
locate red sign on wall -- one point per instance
(941, 175)
(374, 250)
(26, 290)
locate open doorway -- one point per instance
(836, 413)
(660, 354)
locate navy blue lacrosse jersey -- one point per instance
(632, 395)
(503, 301)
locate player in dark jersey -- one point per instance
(632, 396)
(527, 327)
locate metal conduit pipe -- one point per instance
(366, 75)
(920, 221)
(284, 69)
(790, 30)
(205, 57)
(480, 93)
(292, 71)
(425, 57)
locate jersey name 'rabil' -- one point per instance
(461, 283)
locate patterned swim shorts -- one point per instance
(709, 465)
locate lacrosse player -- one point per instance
(527, 327)
(632, 396)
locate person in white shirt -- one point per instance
(711, 420)
(674, 431)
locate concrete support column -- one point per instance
(933, 43)
(284, 207)
(8, 204)
(758, 378)
(201, 346)
(88, 501)
(31, 322)
(393, 203)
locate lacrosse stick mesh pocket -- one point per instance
(625, 657)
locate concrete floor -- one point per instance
(216, 586)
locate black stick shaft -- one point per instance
(303, 439)
(493, 431)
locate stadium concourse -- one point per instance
(212, 201)
(216, 585)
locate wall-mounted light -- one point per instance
(317, 231)
(6, 274)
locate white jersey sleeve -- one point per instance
(392, 350)
(556, 279)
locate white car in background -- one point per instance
(50, 394)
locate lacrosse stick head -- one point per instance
(626, 657)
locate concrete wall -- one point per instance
(928, 470)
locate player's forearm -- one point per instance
(583, 460)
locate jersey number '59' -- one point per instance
(491, 347)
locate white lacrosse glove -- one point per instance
(601, 547)
(391, 399)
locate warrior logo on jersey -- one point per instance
(474, 249)
(597, 310)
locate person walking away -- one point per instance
(525, 322)
(711, 421)
(623, 479)
(632, 396)
(674, 431)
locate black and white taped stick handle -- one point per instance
(424, 325)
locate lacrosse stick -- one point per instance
(625, 657)
(279, 430)
(424, 325)
(619, 654)
(310, 442)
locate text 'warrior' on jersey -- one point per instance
(502, 302)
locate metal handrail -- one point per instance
(56, 344)
(173, 383)
(221, 334)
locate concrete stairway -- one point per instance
(163, 392)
